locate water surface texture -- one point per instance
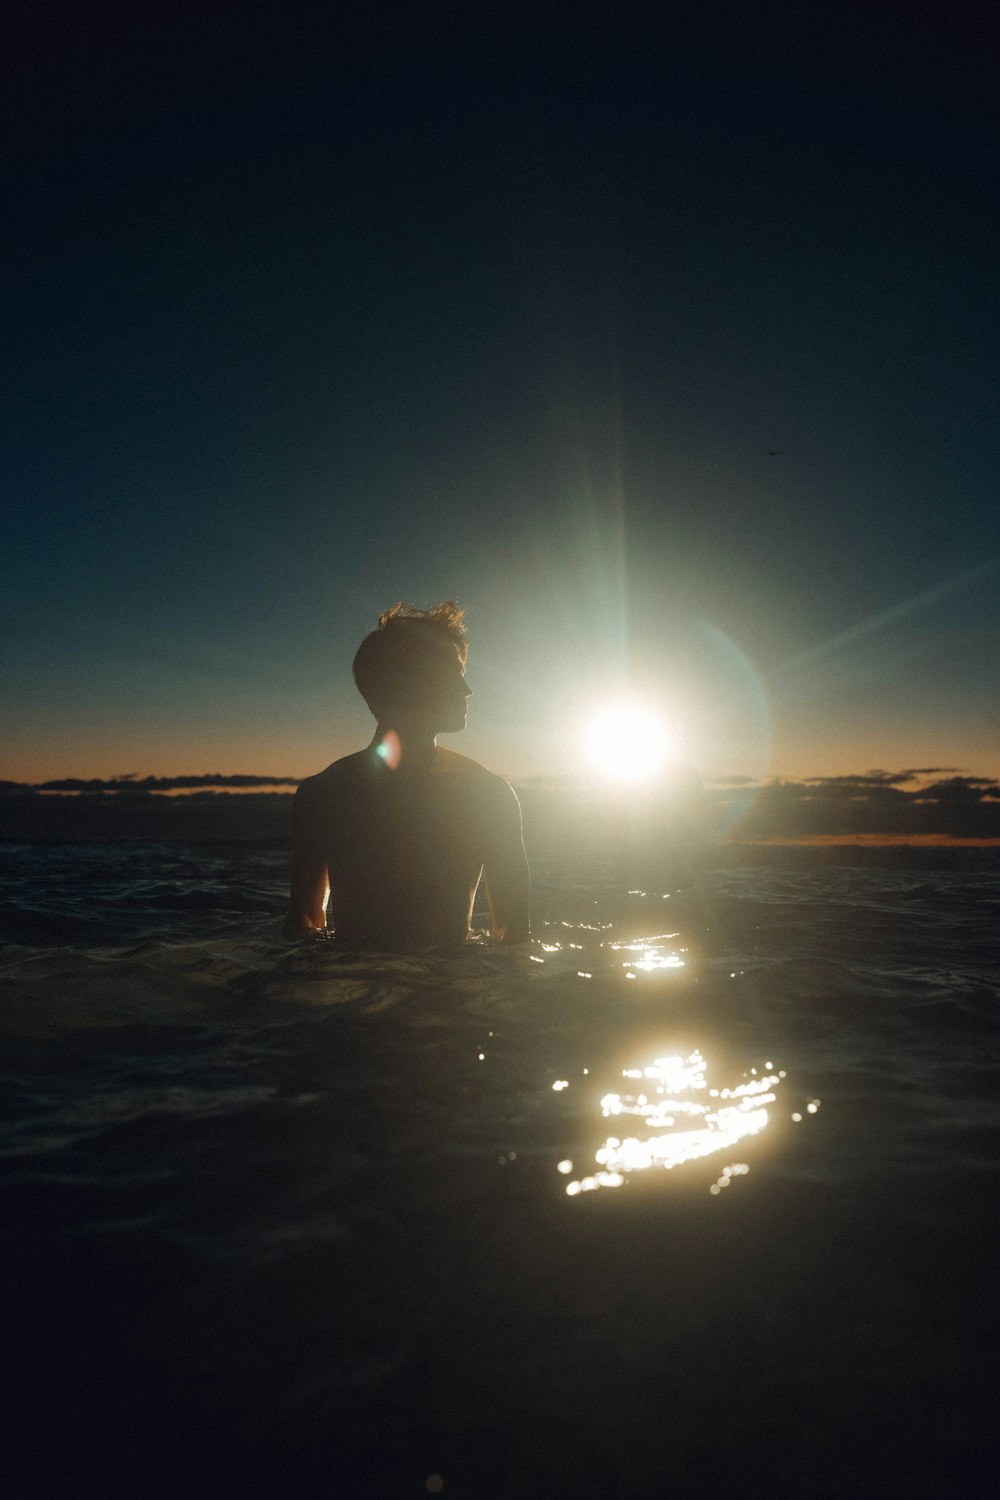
(697, 1189)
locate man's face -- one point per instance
(435, 698)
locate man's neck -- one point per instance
(404, 750)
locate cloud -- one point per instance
(875, 804)
(131, 784)
(960, 789)
(879, 778)
(878, 803)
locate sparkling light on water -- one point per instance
(677, 1125)
(735, 1169)
(652, 959)
(646, 956)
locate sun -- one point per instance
(627, 742)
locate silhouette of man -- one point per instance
(397, 836)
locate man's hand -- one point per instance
(310, 891)
(310, 879)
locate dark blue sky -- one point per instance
(669, 348)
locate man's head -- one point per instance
(410, 671)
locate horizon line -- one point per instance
(243, 782)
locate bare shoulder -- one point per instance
(338, 776)
(450, 763)
(463, 768)
(494, 797)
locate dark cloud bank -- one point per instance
(903, 804)
(925, 803)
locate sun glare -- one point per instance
(627, 742)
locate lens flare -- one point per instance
(627, 742)
(389, 750)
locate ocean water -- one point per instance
(697, 1189)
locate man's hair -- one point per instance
(389, 654)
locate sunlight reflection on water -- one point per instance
(678, 1125)
(646, 955)
(652, 959)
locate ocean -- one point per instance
(697, 1190)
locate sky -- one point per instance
(668, 347)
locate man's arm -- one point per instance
(506, 870)
(310, 885)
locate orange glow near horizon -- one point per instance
(71, 756)
(64, 757)
(870, 840)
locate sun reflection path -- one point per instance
(678, 1125)
(646, 955)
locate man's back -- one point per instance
(404, 849)
(397, 836)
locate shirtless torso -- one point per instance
(400, 853)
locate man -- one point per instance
(397, 836)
